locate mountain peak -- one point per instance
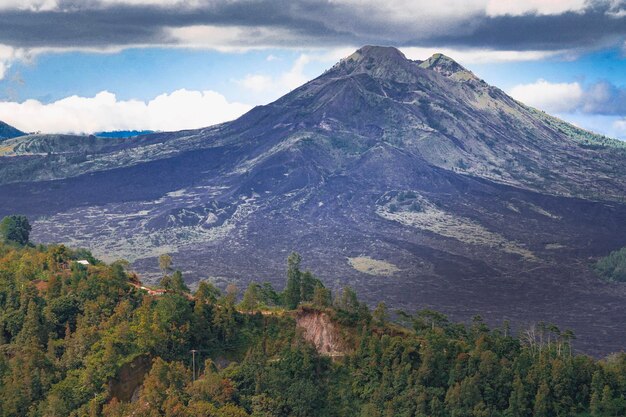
(9, 132)
(390, 63)
(377, 53)
(447, 67)
(379, 62)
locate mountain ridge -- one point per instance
(8, 132)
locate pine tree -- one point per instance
(307, 286)
(207, 293)
(380, 314)
(32, 331)
(292, 290)
(178, 283)
(542, 401)
(321, 296)
(608, 404)
(436, 408)
(518, 405)
(597, 384)
(250, 298)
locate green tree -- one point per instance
(321, 296)
(15, 229)
(608, 404)
(613, 266)
(518, 404)
(165, 263)
(32, 332)
(542, 401)
(380, 314)
(207, 293)
(250, 299)
(178, 283)
(307, 286)
(267, 295)
(292, 289)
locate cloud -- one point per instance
(551, 97)
(611, 126)
(600, 98)
(487, 24)
(280, 84)
(538, 7)
(268, 88)
(7, 56)
(257, 83)
(619, 127)
(604, 98)
(30, 5)
(181, 109)
(511, 30)
(481, 56)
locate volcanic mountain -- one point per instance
(415, 182)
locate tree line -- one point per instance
(68, 331)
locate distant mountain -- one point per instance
(8, 132)
(123, 133)
(413, 181)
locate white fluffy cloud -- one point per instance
(600, 107)
(479, 56)
(551, 97)
(8, 55)
(265, 87)
(228, 38)
(619, 126)
(601, 97)
(181, 109)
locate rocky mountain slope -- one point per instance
(8, 132)
(413, 181)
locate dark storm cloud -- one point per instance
(595, 27)
(126, 25)
(308, 23)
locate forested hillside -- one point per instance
(77, 340)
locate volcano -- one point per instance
(414, 182)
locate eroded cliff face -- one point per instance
(126, 385)
(318, 328)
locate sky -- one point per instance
(83, 66)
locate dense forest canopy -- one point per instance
(75, 338)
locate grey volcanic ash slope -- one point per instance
(415, 182)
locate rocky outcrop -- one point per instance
(318, 328)
(129, 379)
